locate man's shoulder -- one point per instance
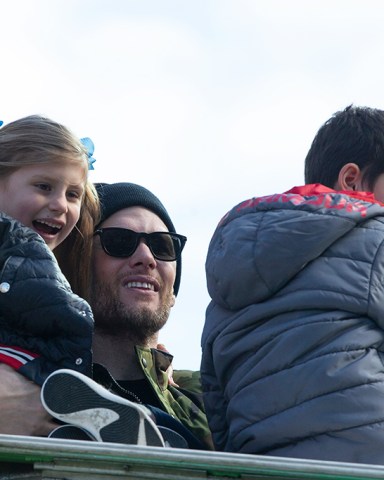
(188, 380)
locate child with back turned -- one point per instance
(46, 204)
(293, 342)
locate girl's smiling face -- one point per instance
(45, 197)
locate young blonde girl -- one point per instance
(47, 204)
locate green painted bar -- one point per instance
(32, 458)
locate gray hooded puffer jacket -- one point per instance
(293, 348)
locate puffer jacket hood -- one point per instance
(270, 239)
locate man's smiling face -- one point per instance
(138, 283)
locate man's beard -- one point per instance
(114, 318)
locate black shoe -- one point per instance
(70, 432)
(74, 398)
(173, 439)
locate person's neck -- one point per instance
(117, 354)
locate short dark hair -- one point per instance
(356, 135)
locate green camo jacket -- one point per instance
(184, 402)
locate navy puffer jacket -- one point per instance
(43, 324)
(293, 341)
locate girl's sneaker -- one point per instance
(75, 399)
(70, 432)
(173, 439)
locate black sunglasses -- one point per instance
(122, 242)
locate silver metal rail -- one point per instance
(32, 458)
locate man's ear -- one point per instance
(349, 177)
(173, 301)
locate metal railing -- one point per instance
(32, 458)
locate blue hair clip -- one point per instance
(88, 144)
(1, 123)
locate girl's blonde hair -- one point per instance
(39, 140)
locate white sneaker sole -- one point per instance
(74, 398)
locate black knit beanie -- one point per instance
(117, 196)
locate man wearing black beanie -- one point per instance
(117, 196)
(136, 277)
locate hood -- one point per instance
(263, 242)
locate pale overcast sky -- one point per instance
(204, 102)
